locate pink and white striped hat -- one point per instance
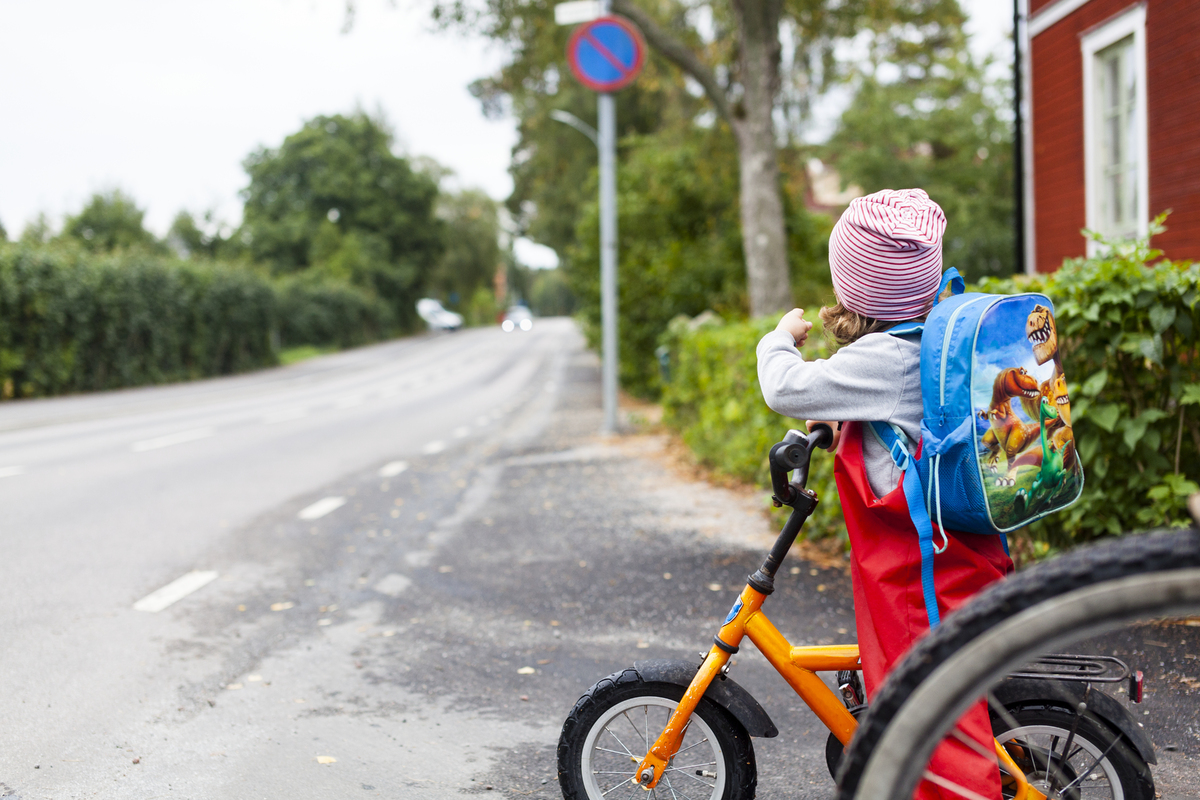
(885, 254)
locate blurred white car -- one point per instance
(517, 317)
(437, 317)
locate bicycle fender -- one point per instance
(724, 692)
(1023, 691)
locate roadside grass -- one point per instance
(293, 355)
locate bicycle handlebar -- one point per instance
(795, 453)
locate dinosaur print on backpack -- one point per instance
(1027, 449)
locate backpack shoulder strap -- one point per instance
(914, 495)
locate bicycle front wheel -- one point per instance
(1081, 594)
(613, 726)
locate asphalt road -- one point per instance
(423, 556)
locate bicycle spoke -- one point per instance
(690, 746)
(625, 714)
(945, 783)
(646, 720)
(614, 752)
(609, 731)
(961, 737)
(671, 788)
(693, 766)
(618, 786)
(1078, 780)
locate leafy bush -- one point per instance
(713, 400)
(72, 322)
(1129, 336)
(323, 312)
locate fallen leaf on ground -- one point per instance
(326, 760)
(282, 606)
(324, 622)
(254, 677)
(234, 686)
(526, 671)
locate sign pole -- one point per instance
(607, 118)
(605, 54)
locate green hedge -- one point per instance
(330, 313)
(1129, 335)
(72, 321)
(1129, 331)
(712, 398)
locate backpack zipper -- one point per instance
(946, 355)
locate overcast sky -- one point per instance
(165, 99)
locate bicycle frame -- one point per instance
(797, 665)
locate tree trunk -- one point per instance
(764, 237)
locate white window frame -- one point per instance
(1132, 21)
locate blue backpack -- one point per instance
(997, 451)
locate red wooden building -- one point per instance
(1112, 135)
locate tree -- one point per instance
(681, 243)
(472, 253)
(205, 237)
(939, 127)
(334, 198)
(738, 69)
(109, 222)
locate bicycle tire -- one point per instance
(583, 730)
(1080, 594)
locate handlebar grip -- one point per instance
(821, 436)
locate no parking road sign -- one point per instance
(606, 54)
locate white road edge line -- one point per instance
(175, 590)
(433, 447)
(392, 469)
(322, 507)
(172, 439)
(8, 472)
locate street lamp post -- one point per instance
(605, 141)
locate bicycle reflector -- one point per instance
(1136, 685)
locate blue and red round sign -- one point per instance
(606, 54)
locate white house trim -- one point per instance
(1029, 222)
(1130, 21)
(1051, 14)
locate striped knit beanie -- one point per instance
(885, 254)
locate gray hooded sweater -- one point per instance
(877, 378)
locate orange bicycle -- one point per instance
(672, 730)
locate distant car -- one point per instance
(517, 317)
(437, 317)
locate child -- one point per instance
(885, 256)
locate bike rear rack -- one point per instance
(1085, 669)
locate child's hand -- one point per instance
(837, 432)
(794, 323)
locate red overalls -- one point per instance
(889, 608)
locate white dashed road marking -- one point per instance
(392, 469)
(172, 439)
(433, 447)
(175, 590)
(321, 507)
(8, 472)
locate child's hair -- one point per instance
(844, 326)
